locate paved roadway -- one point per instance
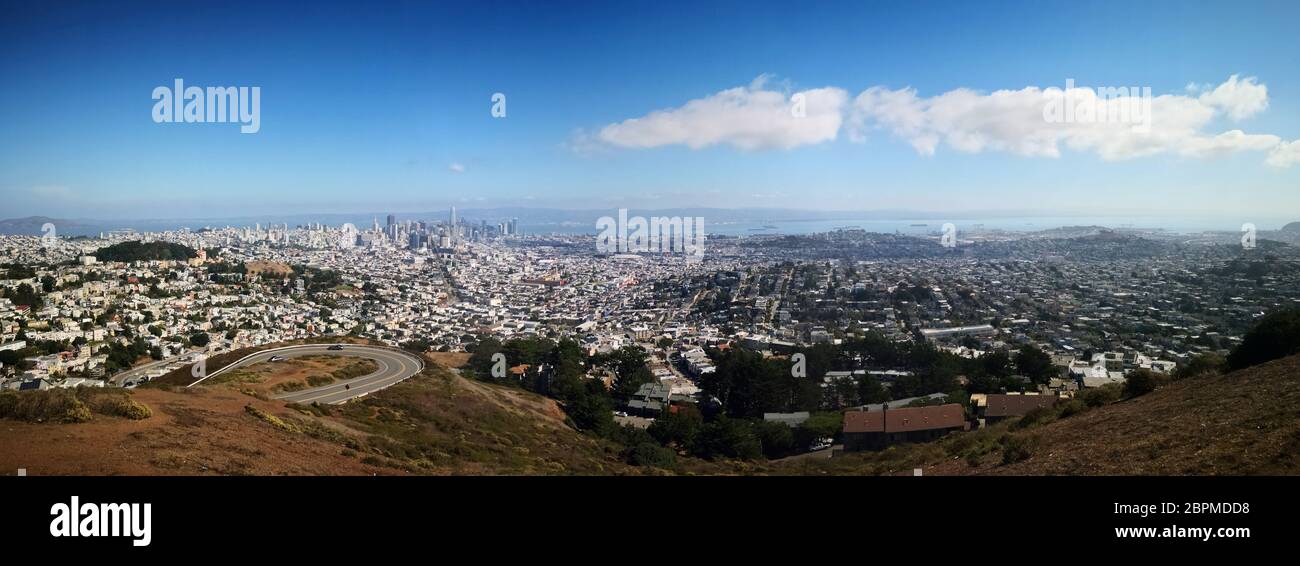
(134, 374)
(394, 366)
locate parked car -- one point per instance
(335, 347)
(277, 358)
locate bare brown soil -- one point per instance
(454, 360)
(268, 267)
(191, 432)
(270, 378)
(434, 423)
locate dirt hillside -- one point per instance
(434, 423)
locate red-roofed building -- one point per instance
(874, 430)
(1000, 407)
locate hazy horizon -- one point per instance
(720, 221)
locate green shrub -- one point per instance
(652, 454)
(1015, 449)
(357, 368)
(1036, 416)
(120, 406)
(291, 386)
(314, 409)
(1202, 365)
(1103, 395)
(273, 420)
(52, 405)
(254, 394)
(1141, 381)
(319, 380)
(75, 412)
(1073, 407)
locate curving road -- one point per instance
(394, 366)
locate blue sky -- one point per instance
(386, 106)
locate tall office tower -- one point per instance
(392, 220)
(514, 226)
(453, 226)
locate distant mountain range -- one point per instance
(532, 220)
(32, 226)
(533, 217)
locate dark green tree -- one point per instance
(1277, 335)
(1140, 382)
(678, 427)
(1202, 364)
(1034, 363)
(727, 438)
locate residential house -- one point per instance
(875, 430)
(995, 407)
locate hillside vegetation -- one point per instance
(141, 251)
(434, 423)
(1245, 422)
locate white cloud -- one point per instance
(1114, 124)
(1285, 154)
(1017, 121)
(1227, 142)
(1240, 99)
(456, 168)
(748, 118)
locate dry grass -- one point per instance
(293, 374)
(76, 405)
(434, 423)
(441, 423)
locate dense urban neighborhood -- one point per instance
(769, 345)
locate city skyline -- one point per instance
(902, 112)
